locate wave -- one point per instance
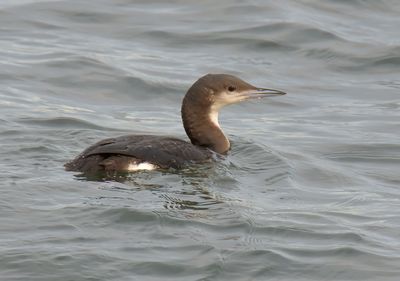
(62, 123)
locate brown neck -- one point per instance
(201, 125)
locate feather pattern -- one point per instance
(163, 152)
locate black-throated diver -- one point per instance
(200, 108)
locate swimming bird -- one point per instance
(199, 112)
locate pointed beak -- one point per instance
(261, 93)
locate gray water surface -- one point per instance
(310, 190)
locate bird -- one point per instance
(199, 112)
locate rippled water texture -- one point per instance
(310, 190)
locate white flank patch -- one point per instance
(141, 166)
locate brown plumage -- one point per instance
(200, 108)
(118, 153)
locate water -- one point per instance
(310, 190)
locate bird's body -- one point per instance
(127, 153)
(200, 109)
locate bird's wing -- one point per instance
(162, 151)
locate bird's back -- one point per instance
(163, 152)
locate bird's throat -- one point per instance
(203, 129)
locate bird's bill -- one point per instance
(261, 93)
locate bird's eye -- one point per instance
(231, 88)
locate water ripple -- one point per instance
(309, 190)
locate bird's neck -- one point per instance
(202, 127)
